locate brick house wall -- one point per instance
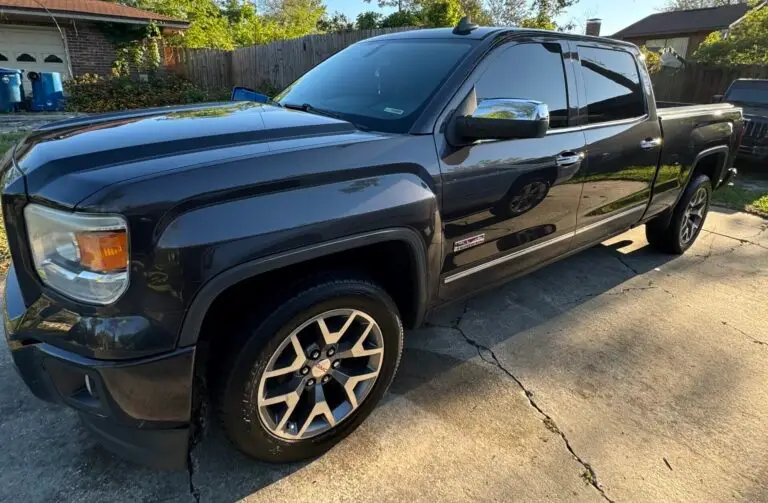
(90, 51)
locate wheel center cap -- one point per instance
(321, 368)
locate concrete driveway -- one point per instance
(616, 375)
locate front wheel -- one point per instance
(687, 219)
(309, 373)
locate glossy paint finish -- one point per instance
(290, 180)
(218, 193)
(618, 174)
(507, 195)
(284, 177)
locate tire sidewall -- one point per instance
(240, 412)
(679, 216)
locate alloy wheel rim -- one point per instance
(694, 215)
(320, 374)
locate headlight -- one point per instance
(82, 256)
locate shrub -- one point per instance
(94, 94)
(652, 59)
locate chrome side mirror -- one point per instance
(504, 118)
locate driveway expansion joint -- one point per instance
(589, 475)
(626, 264)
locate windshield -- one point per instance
(753, 92)
(380, 85)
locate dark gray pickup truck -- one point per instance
(257, 262)
(752, 96)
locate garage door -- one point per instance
(30, 48)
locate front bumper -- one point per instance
(138, 408)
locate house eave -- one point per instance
(59, 15)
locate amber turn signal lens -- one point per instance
(103, 251)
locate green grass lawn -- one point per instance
(8, 139)
(742, 199)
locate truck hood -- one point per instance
(753, 110)
(111, 148)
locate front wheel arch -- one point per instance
(200, 307)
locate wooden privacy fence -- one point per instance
(273, 65)
(697, 83)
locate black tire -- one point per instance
(260, 338)
(670, 237)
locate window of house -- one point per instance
(612, 85)
(26, 58)
(531, 72)
(679, 44)
(52, 58)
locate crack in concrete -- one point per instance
(742, 332)
(193, 490)
(743, 241)
(589, 475)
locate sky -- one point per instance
(616, 14)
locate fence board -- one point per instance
(697, 83)
(273, 65)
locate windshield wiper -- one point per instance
(306, 107)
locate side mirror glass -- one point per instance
(245, 94)
(503, 119)
(717, 98)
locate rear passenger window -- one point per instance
(529, 71)
(612, 85)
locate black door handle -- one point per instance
(568, 158)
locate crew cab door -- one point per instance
(509, 205)
(623, 138)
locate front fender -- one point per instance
(222, 244)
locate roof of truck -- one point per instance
(482, 32)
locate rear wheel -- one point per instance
(309, 373)
(687, 219)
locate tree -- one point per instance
(402, 5)
(336, 23)
(294, 18)
(535, 14)
(208, 26)
(401, 18)
(507, 12)
(369, 20)
(745, 44)
(698, 4)
(542, 14)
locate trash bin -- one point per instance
(47, 91)
(11, 92)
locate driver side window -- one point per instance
(529, 71)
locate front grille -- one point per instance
(755, 129)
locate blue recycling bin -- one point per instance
(47, 91)
(11, 92)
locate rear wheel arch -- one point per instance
(406, 238)
(712, 162)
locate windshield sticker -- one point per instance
(395, 111)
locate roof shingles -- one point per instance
(91, 7)
(683, 21)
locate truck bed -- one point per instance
(668, 109)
